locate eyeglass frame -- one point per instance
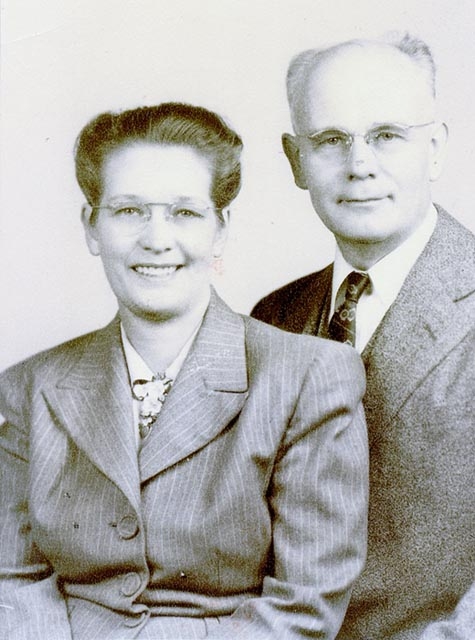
(350, 137)
(140, 223)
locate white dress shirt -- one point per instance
(387, 277)
(139, 369)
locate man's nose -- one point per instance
(158, 232)
(361, 161)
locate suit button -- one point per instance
(128, 527)
(131, 583)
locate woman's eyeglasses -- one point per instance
(131, 216)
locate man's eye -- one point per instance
(329, 139)
(385, 136)
(186, 212)
(333, 141)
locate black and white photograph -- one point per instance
(237, 362)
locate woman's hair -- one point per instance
(171, 123)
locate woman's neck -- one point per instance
(159, 342)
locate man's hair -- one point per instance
(170, 123)
(303, 63)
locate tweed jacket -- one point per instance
(419, 404)
(243, 514)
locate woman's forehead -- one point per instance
(155, 170)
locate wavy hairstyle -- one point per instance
(170, 123)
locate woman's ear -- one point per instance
(292, 151)
(221, 233)
(88, 222)
(438, 150)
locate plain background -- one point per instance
(64, 61)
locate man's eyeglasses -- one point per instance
(131, 216)
(383, 139)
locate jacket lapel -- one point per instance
(432, 313)
(208, 393)
(93, 403)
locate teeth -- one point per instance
(155, 271)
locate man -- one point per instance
(367, 145)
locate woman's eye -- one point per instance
(128, 210)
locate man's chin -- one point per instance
(363, 249)
(366, 236)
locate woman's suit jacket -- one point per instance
(249, 495)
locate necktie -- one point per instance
(343, 323)
(151, 395)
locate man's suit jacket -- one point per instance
(419, 403)
(248, 496)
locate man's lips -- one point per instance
(368, 200)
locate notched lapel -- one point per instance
(431, 315)
(207, 395)
(92, 402)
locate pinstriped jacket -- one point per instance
(420, 411)
(243, 515)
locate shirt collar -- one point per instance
(388, 274)
(139, 369)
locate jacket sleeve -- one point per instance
(460, 626)
(31, 605)
(318, 498)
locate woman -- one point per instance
(185, 472)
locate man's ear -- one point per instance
(292, 152)
(87, 219)
(438, 150)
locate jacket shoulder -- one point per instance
(17, 383)
(271, 349)
(286, 292)
(48, 357)
(456, 238)
(279, 306)
(449, 257)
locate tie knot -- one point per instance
(356, 283)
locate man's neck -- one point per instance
(159, 341)
(363, 255)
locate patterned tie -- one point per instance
(343, 323)
(151, 395)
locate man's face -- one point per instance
(372, 193)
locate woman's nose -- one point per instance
(158, 231)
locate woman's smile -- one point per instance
(159, 265)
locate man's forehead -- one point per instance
(356, 84)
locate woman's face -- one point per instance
(157, 259)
